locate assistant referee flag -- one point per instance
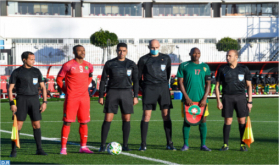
(14, 136)
(248, 137)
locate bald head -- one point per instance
(233, 51)
(154, 42)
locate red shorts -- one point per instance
(77, 107)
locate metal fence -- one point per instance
(57, 54)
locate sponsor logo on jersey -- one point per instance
(204, 68)
(73, 68)
(35, 81)
(241, 77)
(86, 67)
(129, 72)
(163, 67)
(80, 69)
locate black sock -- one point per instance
(14, 144)
(126, 131)
(37, 137)
(104, 134)
(168, 131)
(143, 128)
(226, 133)
(241, 128)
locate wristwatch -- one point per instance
(250, 102)
(45, 102)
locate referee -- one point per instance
(155, 68)
(27, 80)
(234, 78)
(122, 73)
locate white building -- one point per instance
(51, 27)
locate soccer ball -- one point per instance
(114, 148)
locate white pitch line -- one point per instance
(96, 148)
(150, 121)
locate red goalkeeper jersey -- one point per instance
(76, 77)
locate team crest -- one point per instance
(163, 67)
(241, 77)
(35, 81)
(193, 115)
(129, 72)
(86, 67)
(204, 68)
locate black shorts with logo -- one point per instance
(28, 105)
(119, 97)
(156, 93)
(237, 102)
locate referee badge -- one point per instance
(163, 67)
(129, 72)
(241, 77)
(35, 81)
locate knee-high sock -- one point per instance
(168, 131)
(267, 88)
(186, 131)
(83, 132)
(226, 133)
(203, 132)
(64, 135)
(104, 134)
(37, 136)
(144, 129)
(212, 88)
(241, 131)
(276, 87)
(257, 88)
(14, 144)
(126, 131)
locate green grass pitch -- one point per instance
(264, 150)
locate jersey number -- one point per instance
(197, 71)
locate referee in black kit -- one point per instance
(122, 72)
(234, 77)
(156, 69)
(27, 80)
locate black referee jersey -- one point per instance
(121, 76)
(233, 80)
(155, 70)
(27, 81)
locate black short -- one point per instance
(28, 105)
(121, 97)
(237, 102)
(156, 93)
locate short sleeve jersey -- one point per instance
(233, 80)
(76, 77)
(194, 76)
(27, 81)
(155, 70)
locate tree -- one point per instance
(227, 43)
(101, 39)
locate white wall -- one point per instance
(47, 27)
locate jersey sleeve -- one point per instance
(40, 78)
(13, 77)
(207, 73)
(218, 77)
(168, 67)
(135, 80)
(103, 80)
(180, 71)
(91, 69)
(248, 76)
(63, 71)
